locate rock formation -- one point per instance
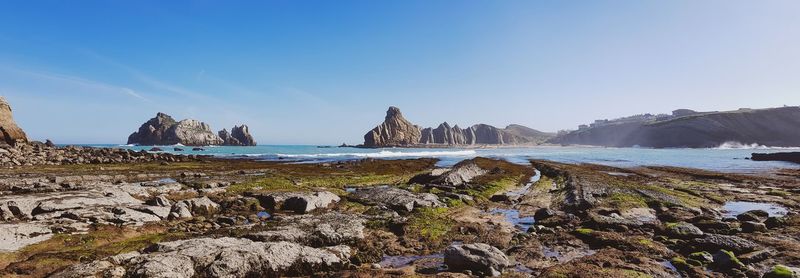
(784, 156)
(192, 133)
(164, 130)
(239, 136)
(778, 127)
(10, 133)
(396, 131)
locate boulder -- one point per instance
(752, 227)
(396, 199)
(715, 242)
(481, 259)
(782, 271)
(461, 173)
(683, 230)
(753, 216)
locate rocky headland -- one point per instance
(397, 131)
(778, 127)
(164, 130)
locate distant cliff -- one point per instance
(164, 130)
(10, 133)
(778, 127)
(396, 131)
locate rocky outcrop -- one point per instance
(787, 156)
(216, 257)
(164, 130)
(461, 173)
(779, 127)
(10, 133)
(396, 131)
(396, 199)
(239, 136)
(326, 229)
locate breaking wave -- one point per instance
(732, 145)
(384, 154)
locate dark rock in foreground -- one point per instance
(479, 258)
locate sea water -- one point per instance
(723, 159)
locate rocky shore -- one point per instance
(37, 153)
(481, 217)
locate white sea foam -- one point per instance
(385, 154)
(732, 145)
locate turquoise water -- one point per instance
(717, 159)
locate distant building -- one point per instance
(582, 127)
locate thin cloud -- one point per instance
(93, 86)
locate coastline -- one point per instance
(390, 213)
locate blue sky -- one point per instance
(324, 72)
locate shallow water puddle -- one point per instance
(512, 215)
(263, 214)
(734, 208)
(519, 192)
(166, 180)
(619, 174)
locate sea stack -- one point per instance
(239, 136)
(395, 131)
(10, 133)
(164, 130)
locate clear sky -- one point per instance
(324, 72)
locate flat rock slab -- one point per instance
(396, 199)
(217, 257)
(299, 202)
(15, 236)
(316, 230)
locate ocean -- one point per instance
(723, 159)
